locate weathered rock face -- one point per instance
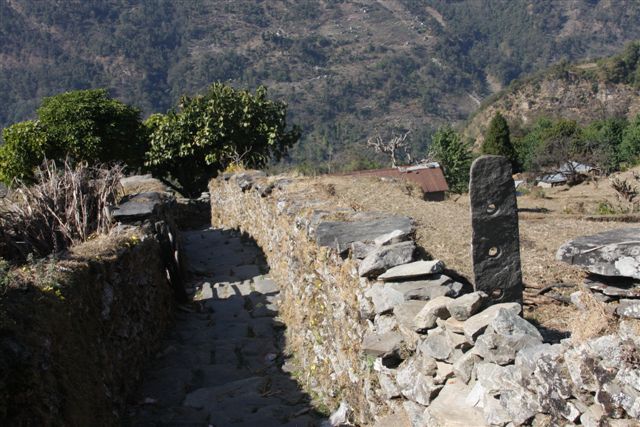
(611, 253)
(495, 238)
(409, 342)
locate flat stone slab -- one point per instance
(340, 235)
(615, 291)
(629, 308)
(380, 345)
(138, 207)
(495, 239)
(611, 253)
(412, 270)
(437, 285)
(386, 257)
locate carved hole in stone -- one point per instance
(496, 293)
(491, 209)
(493, 252)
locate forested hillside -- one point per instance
(348, 69)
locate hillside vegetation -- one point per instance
(348, 69)
(585, 92)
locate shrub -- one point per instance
(208, 132)
(62, 208)
(84, 125)
(455, 157)
(497, 140)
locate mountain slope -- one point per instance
(587, 91)
(347, 68)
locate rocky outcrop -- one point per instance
(574, 94)
(406, 342)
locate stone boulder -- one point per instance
(505, 336)
(385, 257)
(413, 270)
(610, 253)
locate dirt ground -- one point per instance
(547, 219)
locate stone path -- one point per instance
(221, 364)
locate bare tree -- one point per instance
(391, 147)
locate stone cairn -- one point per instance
(448, 355)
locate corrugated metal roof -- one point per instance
(430, 179)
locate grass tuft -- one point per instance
(64, 207)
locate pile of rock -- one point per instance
(445, 356)
(613, 260)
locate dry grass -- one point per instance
(65, 207)
(593, 321)
(444, 230)
(142, 184)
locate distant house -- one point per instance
(566, 173)
(428, 176)
(552, 180)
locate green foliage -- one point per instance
(527, 145)
(208, 132)
(91, 126)
(454, 156)
(623, 68)
(606, 208)
(630, 144)
(25, 145)
(601, 141)
(608, 144)
(497, 139)
(85, 125)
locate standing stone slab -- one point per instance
(494, 220)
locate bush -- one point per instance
(62, 208)
(208, 132)
(454, 156)
(84, 125)
(497, 140)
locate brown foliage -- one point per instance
(65, 206)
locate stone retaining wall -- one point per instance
(75, 333)
(383, 337)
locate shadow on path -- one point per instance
(221, 364)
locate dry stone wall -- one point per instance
(382, 336)
(75, 337)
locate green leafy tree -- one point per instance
(454, 155)
(497, 139)
(630, 145)
(84, 125)
(208, 132)
(558, 142)
(527, 146)
(601, 141)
